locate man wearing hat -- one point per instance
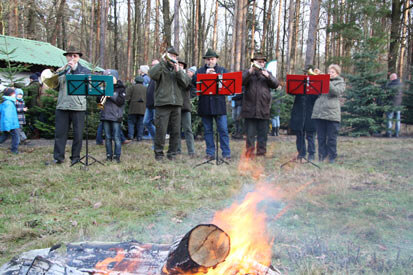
(70, 110)
(170, 82)
(136, 98)
(256, 104)
(213, 107)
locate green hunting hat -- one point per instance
(308, 67)
(172, 51)
(72, 50)
(210, 53)
(139, 79)
(259, 56)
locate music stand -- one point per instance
(221, 85)
(89, 85)
(306, 85)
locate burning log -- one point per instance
(200, 250)
(203, 247)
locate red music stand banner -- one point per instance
(308, 84)
(219, 84)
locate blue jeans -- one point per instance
(390, 116)
(275, 121)
(222, 126)
(112, 132)
(99, 134)
(148, 120)
(15, 139)
(135, 120)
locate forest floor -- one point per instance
(354, 216)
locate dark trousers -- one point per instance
(64, 118)
(300, 142)
(256, 128)
(135, 121)
(327, 132)
(167, 118)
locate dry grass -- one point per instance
(354, 216)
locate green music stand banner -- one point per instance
(89, 85)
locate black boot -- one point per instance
(272, 131)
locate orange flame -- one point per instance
(246, 226)
(119, 263)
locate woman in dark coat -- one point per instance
(112, 115)
(327, 115)
(303, 126)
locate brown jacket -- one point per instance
(136, 97)
(256, 101)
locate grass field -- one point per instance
(354, 216)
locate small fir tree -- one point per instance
(10, 70)
(366, 100)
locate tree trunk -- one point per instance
(146, 35)
(203, 247)
(196, 32)
(290, 35)
(293, 50)
(234, 43)
(277, 44)
(244, 34)
(267, 21)
(327, 44)
(254, 7)
(103, 17)
(56, 30)
(176, 25)
(129, 44)
(312, 30)
(215, 34)
(156, 33)
(166, 24)
(31, 19)
(91, 34)
(98, 25)
(403, 39)
(116, 37)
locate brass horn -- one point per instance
(51, 79)
(168, 58)
(101, 104)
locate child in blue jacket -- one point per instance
(9, 123)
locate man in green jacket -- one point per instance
(70, 109)
(171, 81)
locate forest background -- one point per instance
(369, 38)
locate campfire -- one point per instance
(235, 242)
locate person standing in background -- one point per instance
(136, 98)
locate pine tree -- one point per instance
(10, 70)
(366, 101)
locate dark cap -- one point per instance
(210, 53)
(172, 51)
(8, 91)
(34, 77)
(72, 50)
(259, 56)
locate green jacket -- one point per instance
(71, 102)
(170, 85)
(33, 91)
(136, 97)
(327, 106)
